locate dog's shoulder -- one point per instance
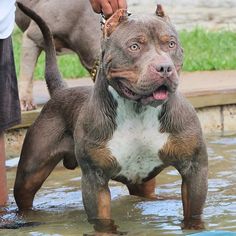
(179, 115)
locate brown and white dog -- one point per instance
(128, 127)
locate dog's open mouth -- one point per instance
(160, 94)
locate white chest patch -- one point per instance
(137, 140)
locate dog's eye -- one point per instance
(134, 47)
(172, 44)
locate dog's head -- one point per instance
(142, 56)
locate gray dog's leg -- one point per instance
(97, 198)
(194, 191)
(29, 55)
(44, 146)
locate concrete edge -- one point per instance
(201, 99)
(208, 104)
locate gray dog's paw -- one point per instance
(27, 105)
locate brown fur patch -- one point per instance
(104, 204)
(178, 148)
(131, 74)
(185, 200)
(146, 189)
(165, 38)
(103, 158)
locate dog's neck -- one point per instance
(105, 99)
(130, 106)
(101, 95)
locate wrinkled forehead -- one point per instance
(147, 25)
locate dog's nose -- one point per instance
(164, 70)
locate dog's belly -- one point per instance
(136, 142)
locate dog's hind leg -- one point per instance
(146, 189)
(45, 145)
(29, 55)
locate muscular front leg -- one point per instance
(194, 192)
(29, 55)
(97, 199)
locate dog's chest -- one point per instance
(136, 141)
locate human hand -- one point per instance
(108, 7)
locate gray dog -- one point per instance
(128, 127)
(74, 26)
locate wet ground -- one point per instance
(59, 209)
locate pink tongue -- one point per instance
(160, 94)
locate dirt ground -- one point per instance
(187, 14)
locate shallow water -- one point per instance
(58, 205)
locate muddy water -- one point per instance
(59, 209)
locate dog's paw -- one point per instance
(193, 224)
(27, 105)
(104, 228)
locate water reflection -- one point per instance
(58, 205)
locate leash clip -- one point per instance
(102, 20)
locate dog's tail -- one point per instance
(52, 75)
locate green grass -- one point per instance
(69, 64)
(203, 50)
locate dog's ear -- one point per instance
(160, 12)
(111, 24)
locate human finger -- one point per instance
(114, 5)
(107, 9)
(96, 6)
(122, 4)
